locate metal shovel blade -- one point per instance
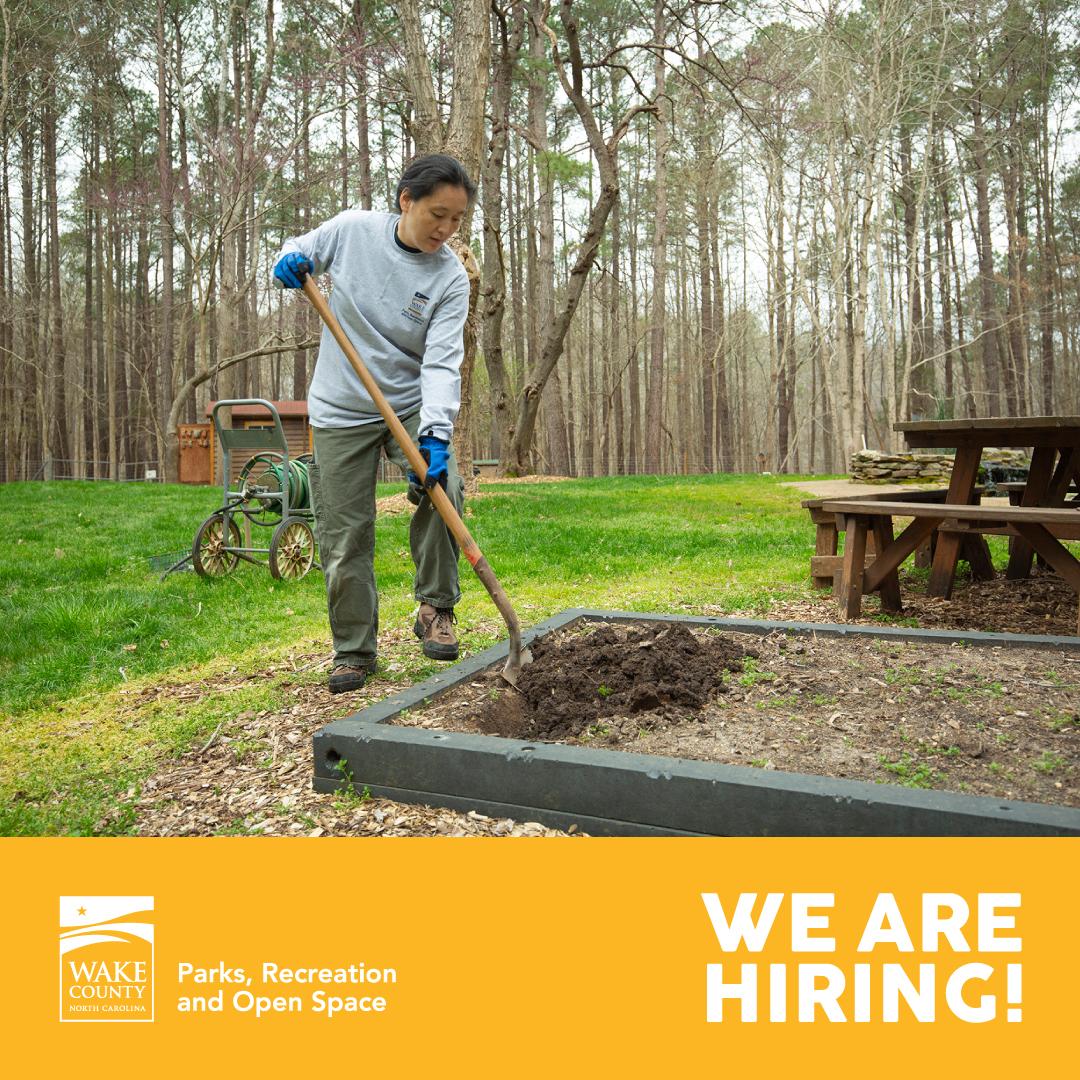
(517, 659)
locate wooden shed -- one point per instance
(294, 422)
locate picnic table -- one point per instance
(1055, 464)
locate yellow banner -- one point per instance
(633, 957)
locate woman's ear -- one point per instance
(405, 200)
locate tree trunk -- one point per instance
(34, 446)
(493, 293)
(708, 337)
(58, 439)
(586, 251)
(991, 322)
(361, 69)
(654, 403)
(168, 445)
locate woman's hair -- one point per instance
(424, 174)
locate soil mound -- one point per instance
(576, 681)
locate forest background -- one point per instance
(709, 236)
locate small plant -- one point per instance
(604, 691)
(1048, 762)
(347, 798)
(901, 675)
(1064, 720)
(241, 748)
(778, 702)
(752, 673)
(943, 751)
(236, 827)
(597, 730)
(759, 762)
(909, 772)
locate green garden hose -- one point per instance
(273, 478)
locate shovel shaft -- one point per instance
(416, 461)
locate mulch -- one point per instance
(253, 775)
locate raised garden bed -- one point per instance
(784, 701)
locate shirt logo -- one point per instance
(417, 308)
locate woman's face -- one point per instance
(429, 222)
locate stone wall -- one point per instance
(874, 467)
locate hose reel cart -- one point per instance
(272, 490)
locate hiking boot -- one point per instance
(346, 677)
(435, 628)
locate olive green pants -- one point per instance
(343, 497)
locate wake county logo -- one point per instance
(417, 309)
(107, 959)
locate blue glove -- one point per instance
(436, 452)
(291, 270)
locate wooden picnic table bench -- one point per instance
(826, 564)
(1041, 527)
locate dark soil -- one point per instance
(574, 682)
(1002, 722)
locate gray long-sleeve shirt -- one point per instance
(405, 314)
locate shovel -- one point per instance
(438, 497)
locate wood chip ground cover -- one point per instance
(998, 721)
(252, 776)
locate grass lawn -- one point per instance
(86, 627)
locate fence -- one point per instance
(78, 469)
(130, 472)
(149, 471)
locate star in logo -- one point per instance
(82, 911)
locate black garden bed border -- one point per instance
(616, 793)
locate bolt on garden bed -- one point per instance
(724, 726)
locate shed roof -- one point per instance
(286, 410)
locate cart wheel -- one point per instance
(292, 549)
(209, 553)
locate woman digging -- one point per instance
(402, 297)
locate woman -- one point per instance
(402, 297)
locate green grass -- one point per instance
(83, 618)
